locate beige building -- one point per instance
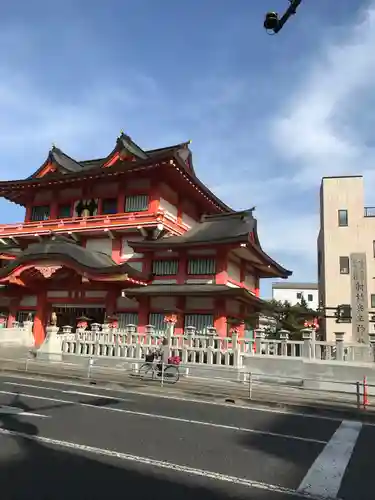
(346, 255)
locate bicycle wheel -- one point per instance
(171, 374)
(146, 372)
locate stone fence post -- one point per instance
(339, 346)
(372, 345)
(51, 349)
(284, 337)
(307, 343)
(236, 351)
(259, 337)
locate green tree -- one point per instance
(284, 316)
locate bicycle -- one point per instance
(150, 370)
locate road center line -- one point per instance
(248, 483)
(170, 418)
(325, 475)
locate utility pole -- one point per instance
(275, 23)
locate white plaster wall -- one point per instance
(161, 303)
(126, 251)
(58, 293)
(28, 301)
(232, 306)
(234, 271)
(126, 304)
(168, 207)
(103, 245)
(189, 221)
(199, 303)
(249, 281)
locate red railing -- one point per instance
(96, 223)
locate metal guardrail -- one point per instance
(198, 379)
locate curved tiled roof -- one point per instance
(63, 250)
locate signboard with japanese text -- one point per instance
(359, 297)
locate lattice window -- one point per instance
(157, 321)
(199, 321)
(164, 267)
(137, 203)
(64, 211)
(40, 213)
(201, 266)
(109, 206)
(128, 318)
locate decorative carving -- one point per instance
(47, 271)
(53, 319)
(86, 208)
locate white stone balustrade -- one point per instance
(210, 348)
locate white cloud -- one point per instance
(317, 131)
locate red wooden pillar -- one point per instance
(40, 318)
(241, 327)
(182, 268)
(143, 313)
(220, 321)
(116, 250)
(154, 198)
(121, 201)
(179, 327)
(257, 286)
(54, 210)
(221, 266)
(110, 302)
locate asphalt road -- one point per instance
(60, 441)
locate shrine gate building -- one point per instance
(132, 236)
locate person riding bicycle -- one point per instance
(163, 353)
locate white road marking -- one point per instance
(12, 410)
(170, 418)
(326, 473)
(263, 409)
(248, 483)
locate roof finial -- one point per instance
(121, 132)
(53, 145)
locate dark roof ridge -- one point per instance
(227, 215)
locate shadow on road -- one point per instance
(46, 472)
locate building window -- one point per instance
(201, 266)
(309, 297)
(157, 321)
(199, 321)
(138, 203)
(40, 213)
(372, 301)
(299, 295)
(164, 267)
(125, 319)
(344, 265)
(64, 211)
(109, 206)
(343, 218)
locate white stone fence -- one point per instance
(18, 335)
(211, 349)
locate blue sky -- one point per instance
(268, 116)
